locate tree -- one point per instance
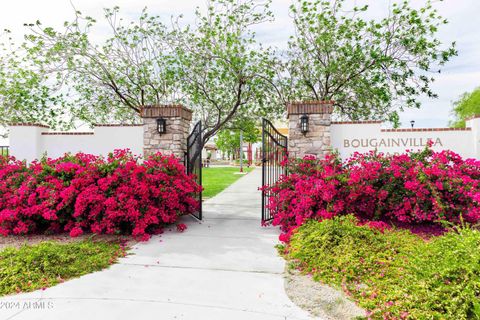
(370, 68)
(228, 139)
(224, 71)
(215, 67)
(110, 81)
(468, 105)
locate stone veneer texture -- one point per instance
(174, 141)
(316, 141)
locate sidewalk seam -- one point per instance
(199, 268)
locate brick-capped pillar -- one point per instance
(317, 140)
(174, 141)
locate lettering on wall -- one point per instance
(390, 142)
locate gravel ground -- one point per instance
(320, 300)
(17, 241)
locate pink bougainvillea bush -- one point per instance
(85, 193)
(418, 190)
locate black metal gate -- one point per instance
(274, 150)
(193, 160)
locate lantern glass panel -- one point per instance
(161, 125)
(304, 123)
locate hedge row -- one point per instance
(416, 190)
(85, 193)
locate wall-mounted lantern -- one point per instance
(412, 123)
(304, 124)
(161, 125)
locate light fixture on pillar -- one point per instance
(161, 125)
(412, 123)
(304, 124)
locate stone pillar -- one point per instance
(174, 141)
(316, 141)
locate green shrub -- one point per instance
(33, 267)
(393, 274)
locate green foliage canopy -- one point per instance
(107, 81)
(223, 69)
(25, 95)
(468, 105)
(371, 68)
(228, 139)
(214, 67)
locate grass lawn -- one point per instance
(215, 179)
(48, 263)
(394, 274)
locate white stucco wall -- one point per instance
(29, 142)
(350, 137)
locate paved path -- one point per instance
(224, 268)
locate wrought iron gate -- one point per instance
(193, 161)
(274, 150)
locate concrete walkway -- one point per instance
(225, 267)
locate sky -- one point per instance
(460, 75)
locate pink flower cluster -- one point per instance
(414, 190)
(85, 193)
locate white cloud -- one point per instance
(462, 74)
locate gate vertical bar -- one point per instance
(263, 171)
(200, 166)
(194, 161)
